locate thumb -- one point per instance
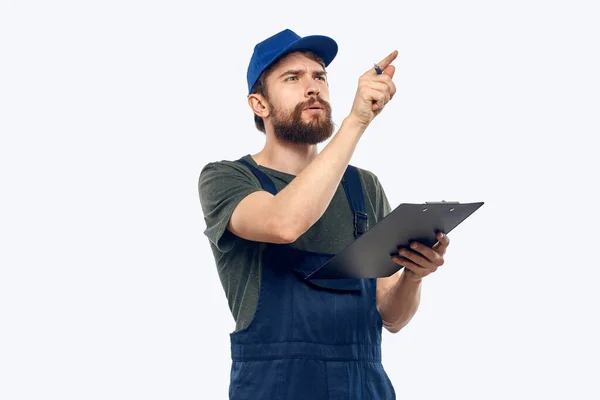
(389, 71)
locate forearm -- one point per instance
(307, 197)
(400, 302)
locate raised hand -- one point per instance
(374, 91)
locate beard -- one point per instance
(291, 127)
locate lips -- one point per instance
(315, 106)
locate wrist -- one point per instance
(354, 123)
(410, 277)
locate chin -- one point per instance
(312, 119)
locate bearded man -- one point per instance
(274, 217)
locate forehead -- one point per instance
(296, 61)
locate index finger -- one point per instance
(383, 64)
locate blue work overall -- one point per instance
(310, 339)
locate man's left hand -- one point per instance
(420, 260)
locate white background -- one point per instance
(109, 110)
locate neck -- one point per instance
(287, 157)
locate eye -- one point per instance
(291, 77)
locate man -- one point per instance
(274, 217)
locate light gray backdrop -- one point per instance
(109, 110)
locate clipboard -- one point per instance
(369, 256)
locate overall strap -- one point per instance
(354, 192)
(266, 182)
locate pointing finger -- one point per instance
(383, 64)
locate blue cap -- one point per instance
(270, 50)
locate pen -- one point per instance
(378, 70)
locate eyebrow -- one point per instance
(300, 72)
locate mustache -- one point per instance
(312, 101)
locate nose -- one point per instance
(312, 90)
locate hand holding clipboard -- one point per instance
(370, 256)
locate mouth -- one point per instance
(314, 106)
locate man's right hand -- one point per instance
(374, 91)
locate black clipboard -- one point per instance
(369, 256)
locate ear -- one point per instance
(259, 105)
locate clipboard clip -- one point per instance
(442, 202)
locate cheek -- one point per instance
(325, 93)
(281, 110)
(285, 104)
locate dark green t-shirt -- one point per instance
(222, 185)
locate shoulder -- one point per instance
(225, 180)
(369, 179)
(225, 170)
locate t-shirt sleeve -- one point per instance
(376, 194)
(382, 204)
(222, 185)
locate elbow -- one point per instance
(396, 327)
(393, 328)
(287, 231)
(287, 235)
(287, 224)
